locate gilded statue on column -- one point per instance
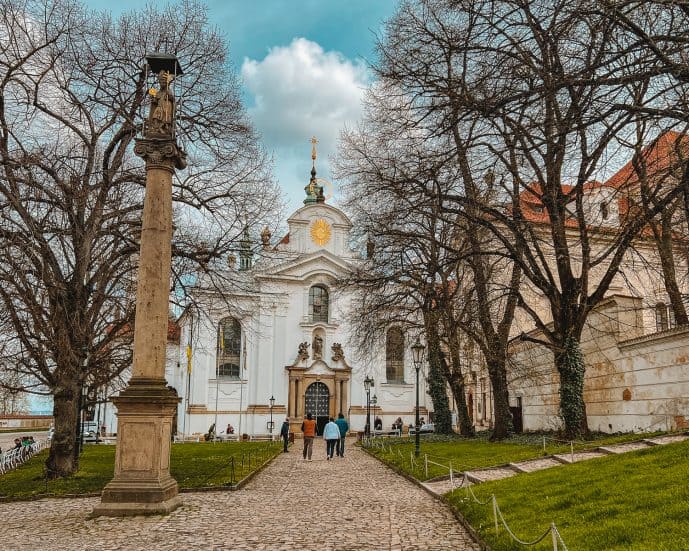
(160, 122)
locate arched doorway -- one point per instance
(317, 402)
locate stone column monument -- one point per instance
(145, 409)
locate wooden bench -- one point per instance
(260, 437)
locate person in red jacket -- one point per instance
(308, 427)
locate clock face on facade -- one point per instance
(320, 232)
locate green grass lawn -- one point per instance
(635, 501)
(473, 453)
(192, 465)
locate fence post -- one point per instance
(452, 480)
(495, 512)
(571, 450)
(544, 452)
(425, 460)
(554, 532)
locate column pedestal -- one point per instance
(142, 482)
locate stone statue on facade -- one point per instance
(338, 353)
(317, 347)
(303, 353)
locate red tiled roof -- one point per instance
(174, 331)
(660, 157)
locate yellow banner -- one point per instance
(188, 358)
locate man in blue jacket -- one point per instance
(284, 434)
(344, 427)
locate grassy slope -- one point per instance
(192, 465)
(636, 501)
(467, 454)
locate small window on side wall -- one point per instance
(318, 304)
(394, 355)
(604, 212)
(665, 317)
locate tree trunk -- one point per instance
(570, 364)
(504, 425)
(665, 242)
(437, 387)
(466, 428)
(437, 390)
(61, 461)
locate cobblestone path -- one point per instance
(353, 503)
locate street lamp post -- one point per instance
(79, 444)
(374, 402)
(270, 427)
(417, 350)
(368, 383)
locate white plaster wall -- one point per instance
(279, 322)
(651, 370)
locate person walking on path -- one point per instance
(284, 433)
(331, 435)
(308, 427)
(342, 424)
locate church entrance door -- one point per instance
(317, 402)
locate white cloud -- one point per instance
(299, 91)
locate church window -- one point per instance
(604, 211)
(229, 348)
(318, 304)
(394, 355)
(665, 317)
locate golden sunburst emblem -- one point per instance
(320, 232)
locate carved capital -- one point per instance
(165, 154)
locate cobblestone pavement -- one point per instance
(353, 503)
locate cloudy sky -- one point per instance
(303, 65)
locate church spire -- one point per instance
(314, 192)
(245, 254)
(314, 141)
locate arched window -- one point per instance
(318, 304)
(229, 348)
(394, 355)
(604, 212)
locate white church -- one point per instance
(286, 340)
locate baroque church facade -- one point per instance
(288, 337)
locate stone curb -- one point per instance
(230, 488)
(442, 499)
(560, 458)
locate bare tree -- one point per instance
(72, 87)
(410, 277)
(550, 94)
(419, 66)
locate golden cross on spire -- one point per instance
(314, 141)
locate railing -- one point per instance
(241, 463)
(498, 518)
(15, 457)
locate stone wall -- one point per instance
(634, 381)
(25, 421)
